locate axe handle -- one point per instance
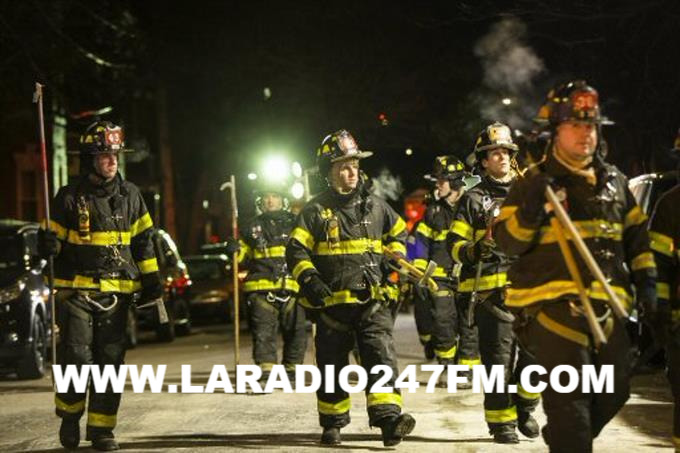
(412, 270)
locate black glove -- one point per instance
(314, 289)
(233, 246)
(532, 207)
(656, 316)
(150, 291)
(481, 250)
(48, 244)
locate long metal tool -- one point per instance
(231, 185)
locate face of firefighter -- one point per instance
(497, 163)
(106, 165)
(272, 202)
(345, 176)
(576, 141)
(444, 190)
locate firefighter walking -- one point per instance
(106, 256)
(483, 281)
(336, 254)
(543, 294)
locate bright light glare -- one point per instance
(298, 190)
(506, 101)
(275, 168)
(409, 151)
(296, 168)
(252, 176)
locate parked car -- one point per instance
(25, 316)
(212, 289)
(176, 281)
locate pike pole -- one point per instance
(231, 185)
(38, 99)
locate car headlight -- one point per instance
(11, 292)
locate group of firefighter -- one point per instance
(491, 271)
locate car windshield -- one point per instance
(205, 269)
(10, 252)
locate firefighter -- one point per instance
(336, 254)
(270, 289)
(449, 176)
(664, 234)
(551, 322)
(483, 281)
(422, 303)
(106, 255)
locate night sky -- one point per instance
(437, 70)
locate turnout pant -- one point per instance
(422, 311)
(498, 346)
(468, 336)
(91, 336)
(370, 326)
(267, 314)
(444, 323)
(556, 335)
(673, 354)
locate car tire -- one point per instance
(166, 332)
(32, 365)
(131, 332)
(182, 317)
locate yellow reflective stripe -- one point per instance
(266, 366)
(396, 247)
(334, 408)
(562, 330)
(446, 354)
(104, 238)
(148, 266)
(303, 236)
(439, 272)
(506, 213)
(101, 420)
(517, 231)
(344, 297)
(375, 399)
(425, 338)
(586, 229)
(266, 285)
(501, 415)
(425, 230)
(526, 395)
(643, 261)
(634, 217)
(351, 247)
(462, 229)
(244, 252)
(420, 263)
(663, 290)
(104, 285)
(278, 251)
(486, 283)
(558, 288)
(470, 362)
(455, 250)
(74, 408)
(141, 225)
(60, 231)
(676, 441)
(661, 243)
(398, 228)
(391, 292)
(301, 267)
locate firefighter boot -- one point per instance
(330, 436)
(105, 443)
(467, 374)
(527, 425)
(504, 434)
(394, 429)
(429, 350)
(69, 433)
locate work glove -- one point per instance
(532, 207)
(481, 250)
(314, 289)
(48, 243)
(656, 316)
(151, 291)
(232, 246)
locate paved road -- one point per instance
(288, 422)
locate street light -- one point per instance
(252, 176)
(275, 168)
(506, 101)
(409, 151)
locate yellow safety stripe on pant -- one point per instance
(350, 247)
(559, 288)
(634, 217)
(462, 229)
(569, 333)
(60, 231)
(470, 362)
(148, 266)
(526, 395)
(501, 415)
(420, 263)
(425, 338)
(643, 261)
(338, 408)
(269, 285)
(278, 251)
(73, 408)
(455, 250)
(586, 229)
(303, 236)
(398, 228)
(506, 212)
(140, 225)
(301, 267)
(104, 285)
(661, 243)
(486, 283)
(266, 366)
(101, 420)
(446, 354)
(102, 238)
(376, 399)
(663, 290)
(390, 292)
(516, 230)
(396, 247)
